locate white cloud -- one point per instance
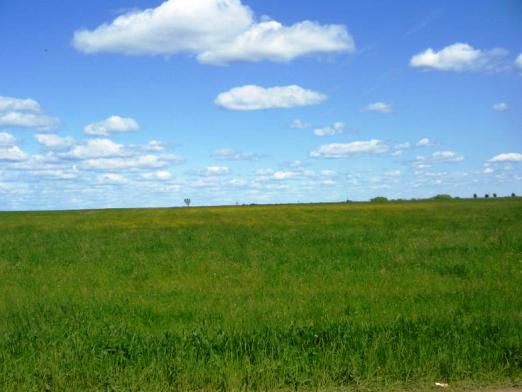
(397, 153)
(518, 62)
(6, 139)
(295, 163)
(160, 175)
(54, 141)
(112, 178)
(328, 173)
(212, 171)
(264, 172)
(141, 162)
(488, 170)
(447, 156)
(402, 146)
(24, 113)
(459, 57)
(507, 157)
(55, 174)
(253, 97)
(500, 107)
(27, 120)
(96, 148)
(299, 124)
(272, 41)
(238, 182)
(335, 129)
(328, 182)
(113, 124)
(12, 154)
(8, 104)
(381, 107)
(393, 173)
(155, 146)
(425, 142)
(282, 175)
(228, 154)
(339, 150)
(218, 32)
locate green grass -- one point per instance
(309, 297)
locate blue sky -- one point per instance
(135, 103)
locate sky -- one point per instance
(143, 103)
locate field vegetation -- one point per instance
(386, 296)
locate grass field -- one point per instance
(306, 297)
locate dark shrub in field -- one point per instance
(442, 197)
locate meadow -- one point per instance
(361, 296)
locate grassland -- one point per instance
(312, 297)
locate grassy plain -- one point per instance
(306, 297)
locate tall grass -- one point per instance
(391, 296)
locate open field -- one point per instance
(362, 296)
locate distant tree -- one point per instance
(379, 199)
(513, 195)
(475, 196)
(187, 202)
(442, 197)
(494, 195)
(486, 196)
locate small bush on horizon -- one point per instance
(442, 197)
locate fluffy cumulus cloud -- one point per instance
(380, 107)
(112, 178)
(500, 107)
(300, 124)
(334, 129)
(283, 175)
(160, 175)
(213, 171)
(18, 104)
(402, 146)
(253, 97)
(217, 32)
(53, 141)
(228, 154)
(518, 62)
(425, 142)
(507, 157)
(6, 139)
(129, 163)
(110, 125)
(154, 146)
(460, 57)
(345, 150)
(96, 148)
(13, 153)
(264, 172)
(270, 40)
(423, 162)
(328, 173)
(447, 156)
(24, 113)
